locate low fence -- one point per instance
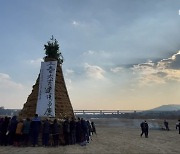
(103, 112)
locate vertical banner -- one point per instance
(46, 95)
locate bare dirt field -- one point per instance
(116, 136)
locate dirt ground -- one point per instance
(116, 136)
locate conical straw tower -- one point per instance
(63, 107)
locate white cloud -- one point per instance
(12, 94)
(69, 71)
(116, 69)
(75, 23)
(4, 76)
(69, 74)
(35, 62)
(68, 83)
(172, 63)
(89, 52)
(99, 57)
(94, 71)
(99, 53)
(7, 83)
(158, 72)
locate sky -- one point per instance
(119, 54)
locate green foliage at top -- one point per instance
(52, 50)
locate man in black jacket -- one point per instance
(35, 129)
(178, 125)
(144, 128)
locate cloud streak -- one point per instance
(94, 71)
(34, 62)
(159, 72)
(12, 94)
(116, 69)
(7, 83)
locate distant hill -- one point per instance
(170, 107)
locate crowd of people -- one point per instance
(47, 132)
(145, 127)
(53, 132)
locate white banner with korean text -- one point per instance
(46, 95)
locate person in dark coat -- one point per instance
(26, 131)
(178, 126)
(61, 134)
(4, 131)
(79, 131)
(55, 132)
(66, 130)
(84, 131)
(45, 132)
(12, 130)
(166, 124)
(89, 130)
(35, 129)
(73, 131)
(93, 129)
(1, 121)
(144, 128)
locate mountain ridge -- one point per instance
(169, 107)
